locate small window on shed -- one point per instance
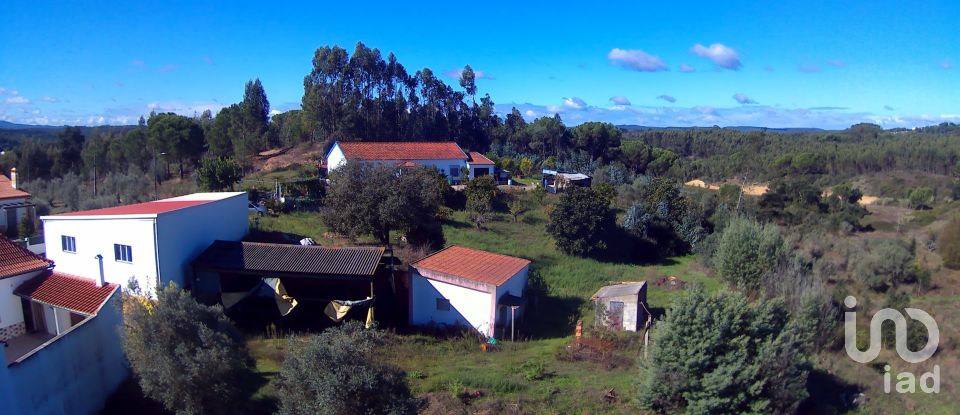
(443, 304)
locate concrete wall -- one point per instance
(184, 234)
(73, 374)
(11, 311)
(97, 236)
(468, 306)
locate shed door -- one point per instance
(615, 314)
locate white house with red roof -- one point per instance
(151, 243)
(60, 345)
(14, 203)
(445, 156)
(468, 287)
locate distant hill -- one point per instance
(6, 125)
(737, 128)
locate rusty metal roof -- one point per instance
(295, 259)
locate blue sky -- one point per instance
(775, 64)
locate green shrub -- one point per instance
(339, 372)
(747, 251)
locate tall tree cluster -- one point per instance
(366, 97)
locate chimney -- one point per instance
(13, 177)
(101, 282)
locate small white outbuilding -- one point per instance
(468, 287)
(622, 306)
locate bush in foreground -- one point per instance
(338, 372)
(721, 354)
(185, 355)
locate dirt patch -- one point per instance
(276, 159)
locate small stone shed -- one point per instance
(622, 306)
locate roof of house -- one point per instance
(297, 259)
(618, 290)
(17, 260)
(77, 294)
(153, 208)
(8, 192)
(472, 264)
(477, 158)
(398, 150)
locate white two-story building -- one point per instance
(445, 156)
(151, 243)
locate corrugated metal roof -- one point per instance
(473, 264)
(632, 288)
(297, 259)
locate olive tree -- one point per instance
(185, 355)
(339, 372)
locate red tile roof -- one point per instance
(16, 260)
(481, 266)
(77, 294)
(411, 150)
(8, 192)
(148, 208)
(477, 158)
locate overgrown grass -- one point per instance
(445, 367)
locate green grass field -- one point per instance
(439, 369)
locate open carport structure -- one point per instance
(310, 277)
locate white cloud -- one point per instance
(721, 55)
(687, 68)
(839, 63)
(743, 99)
(5, 91)
(137, 62)
(809, 68)
(620, 100)
(637, 60)
(574, 103)
(49, 99)
(667, 98)
(17, 99)
(946, 64)
(530, 113)
(455, 74)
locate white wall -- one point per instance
(335, 158)
(514, 286)
(184, 234)
(181, 235)
(473, 169)
(467, 306)
(74, 374)
(97, 236)
(11, 311)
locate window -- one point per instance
(443, 304)
(454, 171)
(123, 253)
(68, 243)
